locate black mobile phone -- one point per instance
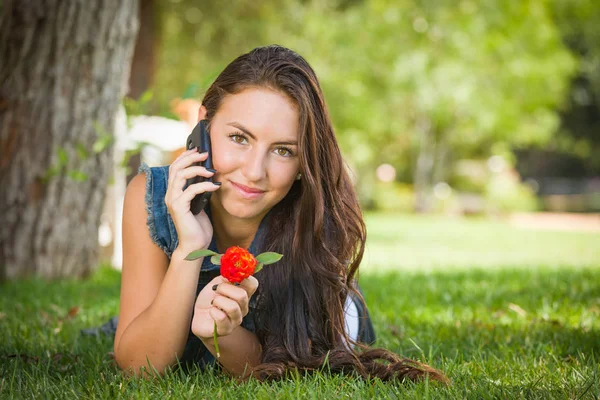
(200, 139)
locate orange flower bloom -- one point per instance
(237, 264)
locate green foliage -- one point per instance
(471, 73)
(82, 152)
(103, 140)
(579, 27)
(61, 164)
(216, 259)
(140, 106)
(196, 254)
(268, 257)
(505, 194)
(393, 197)
(77, 176)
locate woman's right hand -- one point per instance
(194, 231)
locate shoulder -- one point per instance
(136, 189)
(134, 196)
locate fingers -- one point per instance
(184, 160)
(237, 294)
(230, 302)
(195, 189)
(181, 176)
(250, 284)
(224, 325)
(230, 307)
(182, 203)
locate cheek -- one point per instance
(224, 159)
(283, 177)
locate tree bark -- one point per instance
(64, 67)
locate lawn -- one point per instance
(506, 313)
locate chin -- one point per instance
(243, 210)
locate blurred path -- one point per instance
(557, 221)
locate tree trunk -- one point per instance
(64, 67)
(442, 155)
(424, 167)
(144, 53)
(142, 67)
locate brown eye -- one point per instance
(236, 138)
(282, 151)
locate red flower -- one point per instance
(237, 264)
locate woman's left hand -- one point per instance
(225, 306)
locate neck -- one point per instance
(230, 230)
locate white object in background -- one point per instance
(163, 133)
(156, 136)
(351, 322)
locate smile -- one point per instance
(248, 193)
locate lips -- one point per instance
(248, 189)
(247, 192)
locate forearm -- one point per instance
(240, 351)
(160, 332)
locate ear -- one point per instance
(201, 113)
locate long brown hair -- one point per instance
(319, 228)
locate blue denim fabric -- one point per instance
(163, 233)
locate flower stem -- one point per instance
(216, 342)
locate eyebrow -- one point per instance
(247, 132)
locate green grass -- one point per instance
(505, 313)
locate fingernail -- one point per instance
(217, 183)
(211, 170)
(215, 286)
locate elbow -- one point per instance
(131, 368)
(145, 366)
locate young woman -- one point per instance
(280, 185)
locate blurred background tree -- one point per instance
(569, 165)
(421, 86)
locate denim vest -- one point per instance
(163, 233)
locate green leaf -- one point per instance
(190, 91)
(82, 152)
(145, 97)
(103, 140)
(259, 266)
(77, 175)
(216, 259)
(194, 255)
(63, 157)
(268, 257)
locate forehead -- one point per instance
(261, 111)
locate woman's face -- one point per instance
(254, 139)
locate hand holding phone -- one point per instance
(200, 139)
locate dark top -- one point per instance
(163, 233)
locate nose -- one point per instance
(254, 165)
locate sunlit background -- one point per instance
(450, 108)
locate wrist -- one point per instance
(181, 252)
